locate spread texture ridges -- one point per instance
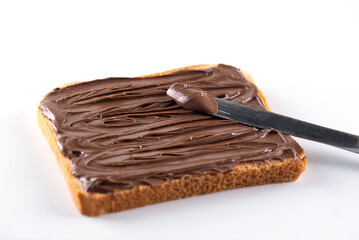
(119, 133)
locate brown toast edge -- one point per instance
(247, 174)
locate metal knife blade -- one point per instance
(268, 120)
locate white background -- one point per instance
(304, 56)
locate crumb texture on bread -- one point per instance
(200, 160)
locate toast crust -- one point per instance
(246, 174)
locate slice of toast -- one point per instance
(263, 168)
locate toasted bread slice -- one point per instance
(245, 174)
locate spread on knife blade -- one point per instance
(192, 98)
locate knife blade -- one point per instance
(268, 120)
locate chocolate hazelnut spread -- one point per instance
(120, 133)
(192, 98)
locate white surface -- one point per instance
(303, 55)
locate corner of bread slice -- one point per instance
(246, 174)
(83, 200)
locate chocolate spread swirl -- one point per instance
(119, 133)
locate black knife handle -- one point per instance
(268, 120)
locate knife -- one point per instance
(268, 120)
(195, 99)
